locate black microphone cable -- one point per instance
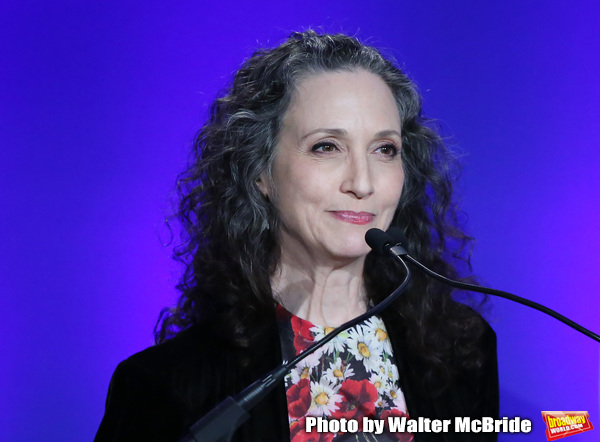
(392, 243)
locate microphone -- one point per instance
(382, 242)
(392, 243)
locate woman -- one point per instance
(315, 142)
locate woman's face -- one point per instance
(337, 170)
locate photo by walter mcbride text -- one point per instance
(395, 424)
(311, 144)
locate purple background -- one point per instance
(99, 104)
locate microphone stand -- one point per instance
(222, 421)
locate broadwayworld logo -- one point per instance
(566, 423)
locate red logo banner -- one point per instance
(561, 424)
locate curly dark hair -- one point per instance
(229, 244)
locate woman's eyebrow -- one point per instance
(387, 133)
(329, 131)
(342, 132)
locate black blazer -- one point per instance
(157, 394)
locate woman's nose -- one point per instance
(358, 179)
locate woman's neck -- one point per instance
(326, 295)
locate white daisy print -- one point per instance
(338, 371)
(337, 344)
(365, 349)
(400, 402)
(391, 371)
(381, 402)
(324, 398)
(397, 397)
(376, 329)
(379, 382)
(302, 370)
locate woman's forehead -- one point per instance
(342, 99)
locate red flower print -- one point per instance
(298, 398)
(394, 412)
(358, 399)
(298, 433)
(303, 338)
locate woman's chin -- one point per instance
(349, 253)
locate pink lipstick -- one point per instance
(360, 218)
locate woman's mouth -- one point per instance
(360, 218)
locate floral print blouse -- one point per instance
(352, 376)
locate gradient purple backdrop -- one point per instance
(98, 107)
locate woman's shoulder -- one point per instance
(160, 391)
(185, 347)
(186, 357)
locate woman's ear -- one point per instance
(263, 186)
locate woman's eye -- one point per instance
(324, 147)
(388, 149)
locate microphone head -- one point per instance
(378, 240)
(397, 236)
